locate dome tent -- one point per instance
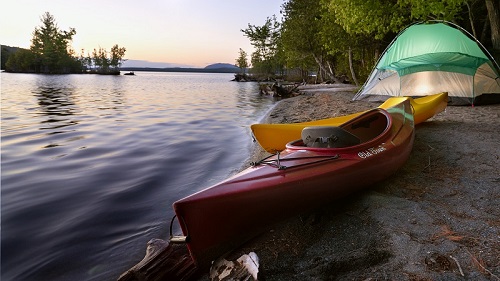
(428, 58)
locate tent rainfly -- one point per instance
(428, 58)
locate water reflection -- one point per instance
(58, 105)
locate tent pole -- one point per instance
(473, 92)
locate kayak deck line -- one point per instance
(277, 162)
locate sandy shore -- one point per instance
(438, 218)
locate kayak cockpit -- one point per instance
(366, 128)
(328, 137)
(370, 125)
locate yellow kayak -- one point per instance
(274, 137)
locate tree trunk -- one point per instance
(494, 17)
(376, 54)
(320, 75)
(484, 31)
(471, 20)
(351, 67)
(324, 69)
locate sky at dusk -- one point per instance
(192, 33)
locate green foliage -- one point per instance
(50, 46)
(378, 18)
(50, 52)
(308, 29)
(6, 52)
(448, 10)
(374, 18)
(337, 43)
(21, 61)
(266, 40)
(242, 61)
(300, 33)
(116, 58)
(85, 61)
(100, 59)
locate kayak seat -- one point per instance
(328, 137)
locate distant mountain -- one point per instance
(222, 65)
(146, 64)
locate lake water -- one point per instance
(92, 164)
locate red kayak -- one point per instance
(326, 164)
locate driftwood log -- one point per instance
(276, 90)
(163, 261)
(238, 77)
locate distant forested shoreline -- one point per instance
(7, 51)
(182, 69)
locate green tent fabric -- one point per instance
(429, 58)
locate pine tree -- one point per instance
(50, 47)
(242, 61)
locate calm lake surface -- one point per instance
(92, 164)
